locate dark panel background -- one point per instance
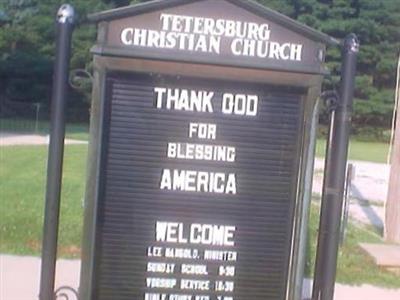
(266, 170)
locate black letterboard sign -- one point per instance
(199, 183)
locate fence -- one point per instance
(33, 118)
(23, 117)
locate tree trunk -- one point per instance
(392, 220)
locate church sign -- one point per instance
(200, 131)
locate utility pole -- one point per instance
(392, 218)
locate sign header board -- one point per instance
(216, 31)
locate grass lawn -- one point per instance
(368, 151)
(22, 181)
(22, 189)
(354, 266)
(77, 131)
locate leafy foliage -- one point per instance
(27, 35)
(27, 49)
(377, 24)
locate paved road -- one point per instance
(30, 139)
(368, 191)
(19, 280)
(370, 183)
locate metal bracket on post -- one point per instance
(334, 176)
(65, 24)
(78, 77)
(331, 99)
(66, 293)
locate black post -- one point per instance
(334, 176)
(65, 23)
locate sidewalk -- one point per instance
(19, 280)
(20, 276)
(363, 292)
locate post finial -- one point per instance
(351, 43)
(66, 13)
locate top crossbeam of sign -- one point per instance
(226, 32)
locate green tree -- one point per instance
(377, 24)
(20, 59)
(27, 48)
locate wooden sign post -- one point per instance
(392, 220)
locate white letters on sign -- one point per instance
(201, 152)
(204, 234)
(182, 99)
(160, 267)
(240, 104)
(198, 181)
(194, 269)
(202, 131)
(163, 283)
(189, 284)
(197, 34)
